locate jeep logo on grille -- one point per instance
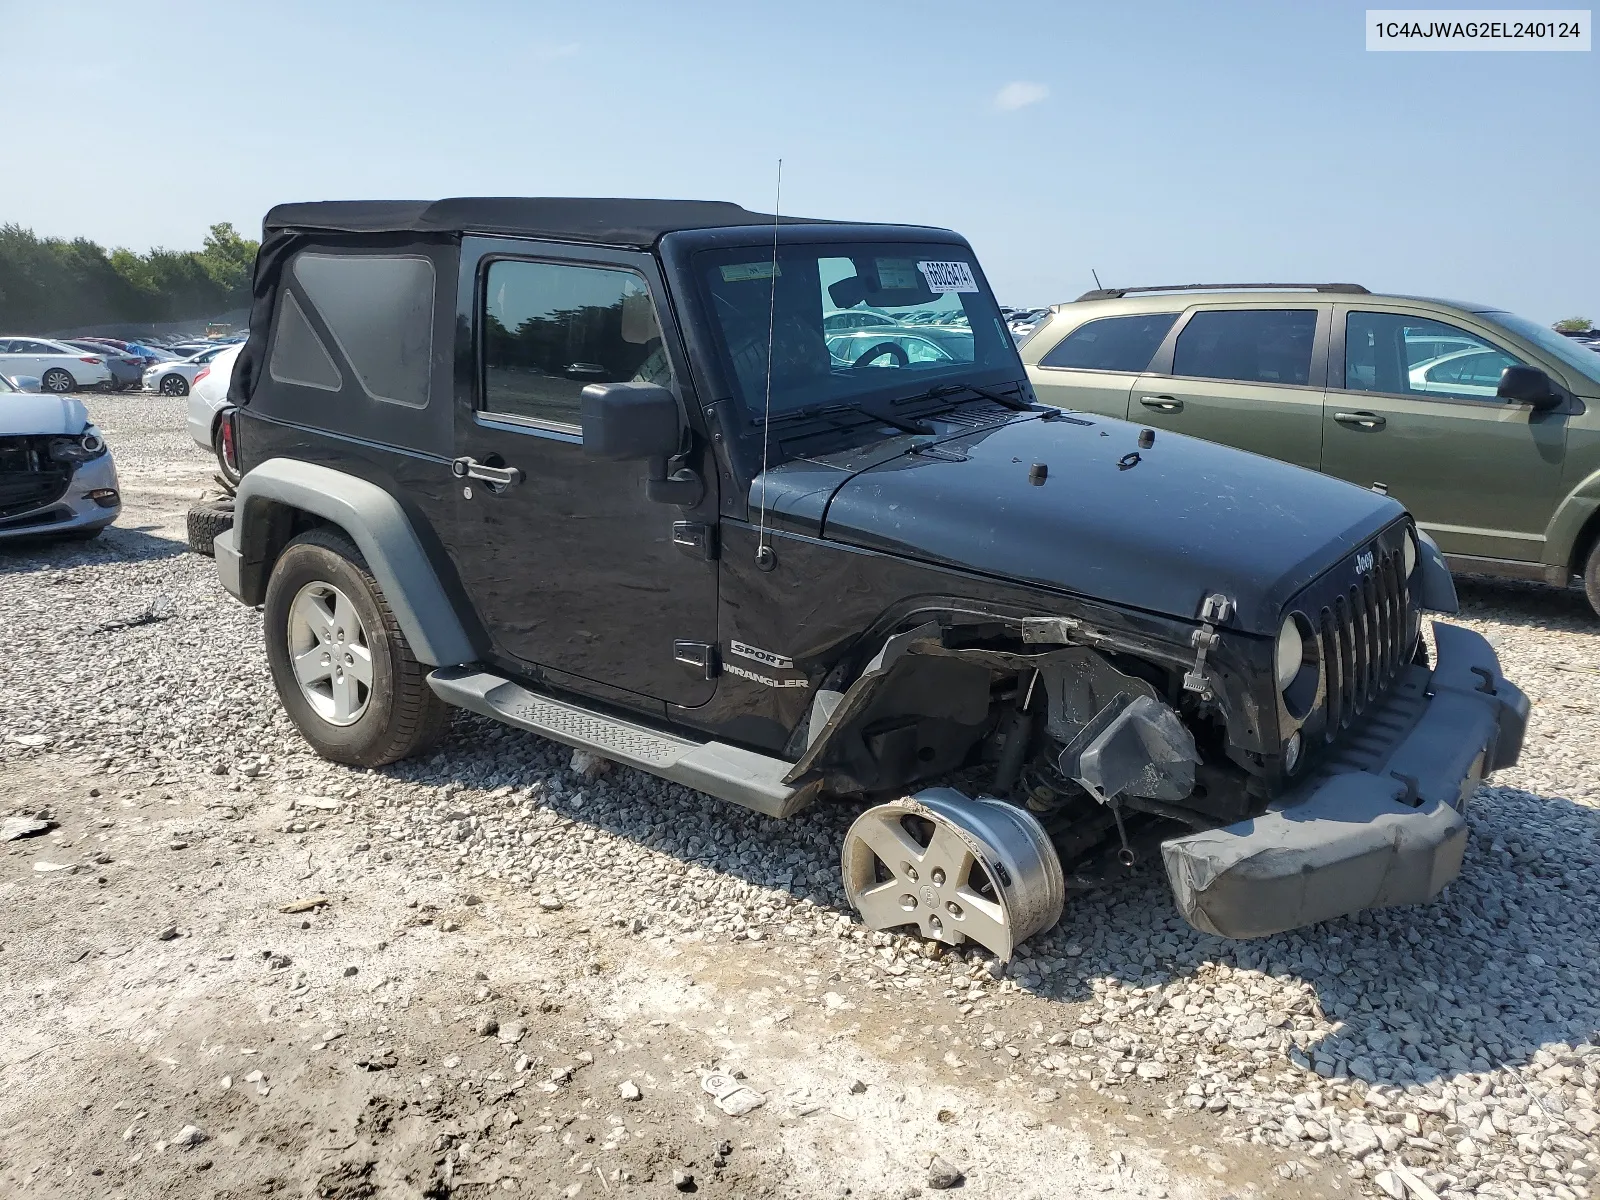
(1363, 562)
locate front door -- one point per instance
(1245, 377)
(1418, 414)
(571, 567)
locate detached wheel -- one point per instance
(58, 381)
(958, 868)
(206, 521)
(341, 664)
(1591, 577)
(174, 385)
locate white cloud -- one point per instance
(1019, 94)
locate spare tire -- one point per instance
(206, 521)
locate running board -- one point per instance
(727, 772)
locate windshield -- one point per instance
(1569, 350)
(5, 385)
(852, 321)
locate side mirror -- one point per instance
(629, 421)
(623, 421)
(1528, 385)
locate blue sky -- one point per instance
(1155, 142)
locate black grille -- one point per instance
(1365, 632)
(29, 478)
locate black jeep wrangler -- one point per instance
(768, 508)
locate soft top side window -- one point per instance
(1112, 343)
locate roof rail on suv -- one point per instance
(1117, 293)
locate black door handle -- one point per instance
(1360, 420)
(1162, 403)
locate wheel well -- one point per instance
(1585, 543)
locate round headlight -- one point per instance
(1409, 553)
(1291, 652)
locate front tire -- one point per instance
(343, 669)
(174, 385)
(1591, 577)
(58, 381)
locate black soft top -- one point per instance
(610, 222)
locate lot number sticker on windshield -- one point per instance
(744, 272)
(948, 276)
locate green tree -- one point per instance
(48, 284)
(1572, 325)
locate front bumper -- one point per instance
(74, 512)
(1380, 824)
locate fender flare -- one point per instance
(376, 523)
(1572, 517)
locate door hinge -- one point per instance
(702, 656)
(695, 538)
(1216, 609)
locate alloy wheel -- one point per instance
(330, 653)
(957, 867)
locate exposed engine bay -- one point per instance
(1104, 753)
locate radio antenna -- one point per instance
(1100, 286)
(765, 559)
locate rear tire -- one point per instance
(58, 381)
(398, 714)
(1591, 577)
(205, 522)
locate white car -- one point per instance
(60, 368)
(208, 396)
(1471, 372)
(176, 378)
(56, 475)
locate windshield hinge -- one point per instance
(1216, 609)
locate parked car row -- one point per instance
(78, 364)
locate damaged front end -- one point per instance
(1110, 749)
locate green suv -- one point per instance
(1484, 424)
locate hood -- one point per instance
(23, 413)
(1182, 520)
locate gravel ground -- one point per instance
(1447, 1050)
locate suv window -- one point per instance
(1269, 345)
(1112, 343)
(1406, 355)
(550, 329)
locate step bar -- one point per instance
(752, 780)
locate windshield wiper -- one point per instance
(903, 424)
(1014, 403)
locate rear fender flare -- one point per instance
(377, 524)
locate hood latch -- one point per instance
(1216, 609)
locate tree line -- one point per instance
(49, 284)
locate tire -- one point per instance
(58, 381)
(173, 385)
(223, 468)
(1591, 577)
(399, 715)
(86, 535)
(206, 521)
